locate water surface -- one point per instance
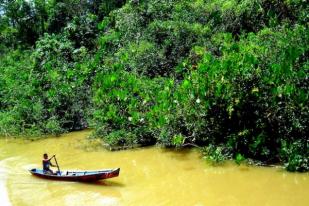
(148, 176)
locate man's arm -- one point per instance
(51, 158)
(51, 164)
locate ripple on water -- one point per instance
(89, 198)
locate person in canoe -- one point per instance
(46, 164)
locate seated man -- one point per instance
(46, 164)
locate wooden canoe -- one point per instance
(83, 176)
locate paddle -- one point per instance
(57, 164)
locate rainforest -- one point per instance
(230, 77)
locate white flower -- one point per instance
(130, 119)
(198, 101)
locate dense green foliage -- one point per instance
(227, 75)
(47, 64)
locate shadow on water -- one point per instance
(105, 183)
(179, 154)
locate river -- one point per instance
(148, 176)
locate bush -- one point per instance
(122, 101)
(216, 154)
(295, 155)
(249, 98)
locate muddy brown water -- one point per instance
(148, 176)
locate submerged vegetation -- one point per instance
(227, 75)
